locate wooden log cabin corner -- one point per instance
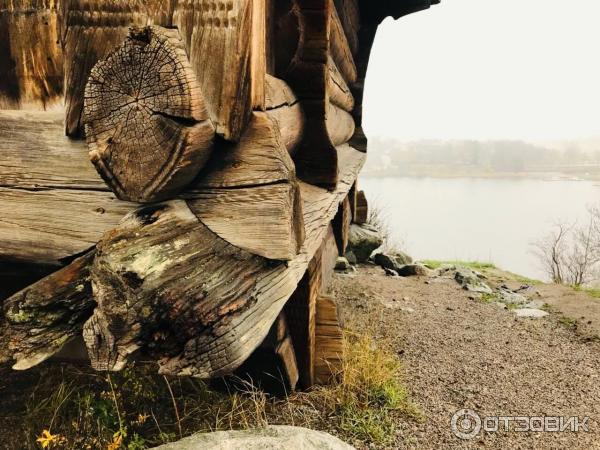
(239, 254)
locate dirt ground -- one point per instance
(462, 353)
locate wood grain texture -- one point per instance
(41, 318)
(286, 111)
(36, 154)
(337, 89)
(225, 43)
(362, 208)
(44, 173)
(349, 14)
(329, 255)
(261, 219)
(339, 124)
(146, 123)
(31, 63)
(300, 311)
(339, 48)
(329, 341)
(93, 28)
(272, 367)
(258, 158)
(215, 302)
(341, 226)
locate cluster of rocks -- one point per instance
(363, 245)
(503, 296)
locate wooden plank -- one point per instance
(329, 339)
(31, 61)
(341, 226)
(233, 30)
(272, 367)
(349, 14)
(340, 49)
(362, 208)
(300, 311)
(329, 257)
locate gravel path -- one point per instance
(463, 353)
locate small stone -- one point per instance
(407, 310)
(531, 313)
(406, 299)
(414, 270)
(390, 272)
(342, 264)
(351, 257)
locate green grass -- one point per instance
(594, 292)
(434, 264)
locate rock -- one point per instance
(529, 312)
(363, 240)
(509, 297)
(269, 438)
(392, 261)
(342, 264)
(401, 258)
(471, 281)
(351, 257)
(385, 261)
(407, 310)
(390, 272)
(410, 270)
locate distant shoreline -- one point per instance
(544, 176)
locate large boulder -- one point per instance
(363, 241)
(270, 438)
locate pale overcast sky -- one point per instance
(488, 69)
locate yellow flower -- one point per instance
(116, 443)
(141, 419)
(48, 439)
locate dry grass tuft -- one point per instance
(65, 407)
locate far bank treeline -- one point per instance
(471, 157)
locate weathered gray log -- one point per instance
(146, 123)
(42, 318)
(198, 304)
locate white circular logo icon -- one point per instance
(466, 424)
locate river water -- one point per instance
(484, 219)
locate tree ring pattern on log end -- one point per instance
(147, 127)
